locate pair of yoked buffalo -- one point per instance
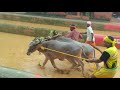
(65, 45)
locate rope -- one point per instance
(43, 48)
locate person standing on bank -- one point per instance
(90, 36)
(110, 59)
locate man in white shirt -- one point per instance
(90, 33)
(90, 36)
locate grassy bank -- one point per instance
(50, 21)
(24, 30)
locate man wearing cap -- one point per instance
(90, 36)
(110, 59)
(73, 34)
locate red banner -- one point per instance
(99, 40)
(110, 26)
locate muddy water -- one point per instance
(13, 54)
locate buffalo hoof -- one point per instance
(60, 71)
(78, 69)
(90, 70)
(85, 76)
(39, 64)
(66, 71)
(42, 67)
(61, 59)
(63, 71)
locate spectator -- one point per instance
(90, 36)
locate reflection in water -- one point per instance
(13, 50)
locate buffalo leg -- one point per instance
(72, 61)
(80, 63)
(97, 66)
(53, 64)
(44, 63)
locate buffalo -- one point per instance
(66, 46)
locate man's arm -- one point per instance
(95, 61)
(69, 35)
(104, 57)
(80, 36)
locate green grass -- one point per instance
(50, 21)
(24, 30)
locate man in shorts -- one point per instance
(90, 36)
